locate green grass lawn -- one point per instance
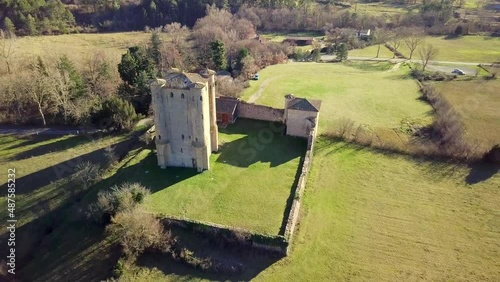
(369, 216)
(478, 102)
(51, 241)
(43, 166)
(248, 185)
(371, 51)
(478, 49)
(375, 98)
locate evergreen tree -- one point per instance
(342, 52)
(31, 25)
(218, 55)
(136, 69)
(154, 50)
(9, 26)
(242, 54)
(65, 65)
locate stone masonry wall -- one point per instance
(293, 216)
(259, 112)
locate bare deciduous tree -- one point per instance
(8, 43)
(427, 53)
(396, 40)
(413, 38)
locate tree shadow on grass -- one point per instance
(264, 142)
(480, 172)
(253, 262)
(41, 178)
(56, 146)
(57, 247)
(149, 174)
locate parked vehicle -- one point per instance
(458, 71)
(255, 77)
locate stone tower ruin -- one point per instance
(185, 119)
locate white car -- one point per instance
(458, 71)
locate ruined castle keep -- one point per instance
(185, 119)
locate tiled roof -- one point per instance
(194, 77)
(305, 105)
(225, 105)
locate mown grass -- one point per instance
(371, 52)
(375, 98)
(372, 216)
(43, 167)
(50, 240)
(478, 103)
(248, 184)
(478, 49)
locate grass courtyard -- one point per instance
(248, 185)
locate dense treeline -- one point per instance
(51, 16)
(56, 90)
(32, 17)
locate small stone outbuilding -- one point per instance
(226, 108)
(301, 115)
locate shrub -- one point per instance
(119, 268)
(138, 230)
(117, 114)
(110, 155)
(188, 257)
(86, 174)
(120, 198)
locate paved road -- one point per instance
(11, 130)
(441, 66)
(331, 57)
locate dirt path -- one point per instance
(262, 87)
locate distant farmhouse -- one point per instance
(363, 33)
(299, 41)
(185, 121)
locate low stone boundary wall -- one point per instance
(230, 236)
(259, 112)
(293, 216)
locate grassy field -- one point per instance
(51, 240)
(375, 98)
(43, 165)
(371, 52)
(247, 186)
(478, 102)
(380, 9)
(280, 36)
(478, 49)
(370, 216)
(79, 47)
